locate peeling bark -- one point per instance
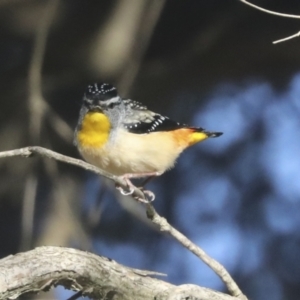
(96, 276)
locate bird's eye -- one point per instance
(111, 105)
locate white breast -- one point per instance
(130, 153)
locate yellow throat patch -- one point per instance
(94, 130)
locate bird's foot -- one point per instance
(123, 191)
(130, 186)
(148, 195)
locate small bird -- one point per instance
(124, 138)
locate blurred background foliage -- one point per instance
(209, 63)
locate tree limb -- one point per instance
(151, 213)
(271, 12)
(183, 240)
(31, 150)
(276, 14)
(96, 276)
(287, 38)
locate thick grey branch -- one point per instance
(96, 276)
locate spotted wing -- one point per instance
(134, 105)
(141, 120)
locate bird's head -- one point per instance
(101, 96)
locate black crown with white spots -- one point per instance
(101, 91)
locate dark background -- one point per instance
(209, 63)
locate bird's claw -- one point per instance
(124, 192)
(146, 200)
(148, 195)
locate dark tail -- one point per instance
(212, 134)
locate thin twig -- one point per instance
(276, 14)
(29, 151)
(183, 240)
(287, 38)
(270, 11)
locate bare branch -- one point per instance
(96, 276)
(183, 240)
(29, 151)
(287, 38)
(276, 14)
(270, 11)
